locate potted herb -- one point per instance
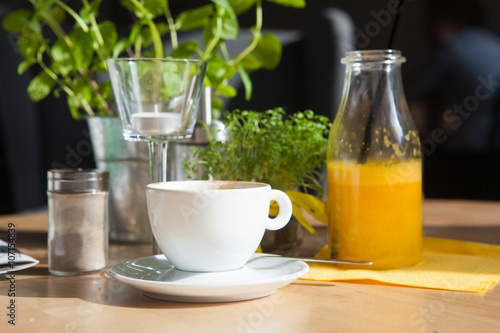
(286, 151)
(69, 47)
(72, 60)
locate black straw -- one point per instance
(365, 145)
(392, 37)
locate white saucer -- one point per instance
(157, 278)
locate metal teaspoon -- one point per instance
(328, 261)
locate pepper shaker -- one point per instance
(78, 221)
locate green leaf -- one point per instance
(40, 87)
(171, 83)
(217, 106)
(227, 91)
(207, 82)
(149, 54)
(268, 51)
(74, 104)
(162, 27)
(81, 89)
(186, 50)
(15, 21)
(28, 43)
(217, 103)
(43, 5)
(127, 4)
(247, 82)
(147, 37)
(230, 26)
(216, 68)
(58, 14)
(250, 63)
(93, 10)
(106, 90)
(83, 93)
(25, 65)
(290, 3)
(83, 49)
(136, 30)
(132, 7)
(99, 65)
(226, 5)
(209, 29)
(194, 18)
(63, 59)
(155, 7)
(57, 92)
(241, 6)
(120, 47)
(108, 33)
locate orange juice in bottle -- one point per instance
(374, 171)
(374, 212)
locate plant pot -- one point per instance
(284, 241)
(128, 166)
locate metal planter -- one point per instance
(128, 166)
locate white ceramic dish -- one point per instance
(157, 278)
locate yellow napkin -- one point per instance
(447, 264)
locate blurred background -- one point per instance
(451, 79)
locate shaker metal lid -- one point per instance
(77, 180)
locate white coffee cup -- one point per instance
(209, 226)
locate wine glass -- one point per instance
(157, 102)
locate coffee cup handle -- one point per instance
(285, 212)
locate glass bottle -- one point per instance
(374, 171)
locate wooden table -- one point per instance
(97, 303)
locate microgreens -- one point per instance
(286, 152)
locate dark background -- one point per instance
(53, 136)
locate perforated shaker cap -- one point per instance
(77, 180)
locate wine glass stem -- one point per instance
(158, 161)
(157, 170)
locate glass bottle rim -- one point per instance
(388, 56)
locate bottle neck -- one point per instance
(373, 84)
(373, 122)
(374, 71)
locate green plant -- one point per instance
(72, 59)
(285, 152)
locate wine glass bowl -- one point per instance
(157, 99)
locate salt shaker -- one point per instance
(78, 221)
